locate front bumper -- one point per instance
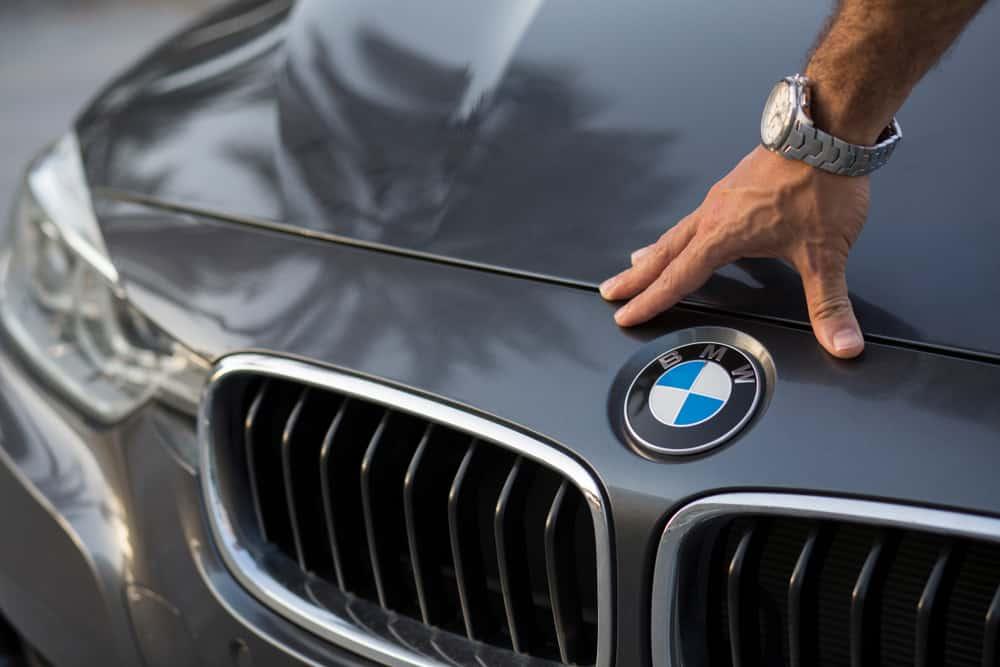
(106, 557)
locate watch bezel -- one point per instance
(794, 99)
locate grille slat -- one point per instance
(425, 582)
(863, 626)
(366, 506)
(991, 637)
(558, 563)
(801, 599)
(510, 550)
(407, 528)
(739, 606)
(584, 577)
(326, 489)
(469, 576)
(286, 469)
(249, 424)
(929, 631)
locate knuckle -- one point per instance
(660, 249)
(819, 259)
(697, 254)
(714, 249)
(668, 245)
(665, 283)
(670, 285)
(718, 188)
(669, 238)
(827, 307)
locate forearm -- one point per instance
(872, 54)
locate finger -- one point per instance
(631, 281)
(830, 311)
(640, 253)
(689, 271)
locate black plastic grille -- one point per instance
(794, 592)
(423, 520)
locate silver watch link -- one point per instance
(787, 129)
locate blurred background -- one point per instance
(55, 54)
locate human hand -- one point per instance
(767, 206)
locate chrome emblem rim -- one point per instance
(693, 397)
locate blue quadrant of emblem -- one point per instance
(697, 408)
(682, 376)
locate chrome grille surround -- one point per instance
(378, 637)
(688, 521)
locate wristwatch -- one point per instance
(787, 129)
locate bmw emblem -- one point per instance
(693, 397)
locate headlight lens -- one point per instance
(63, 303)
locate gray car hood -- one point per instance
(549, 138)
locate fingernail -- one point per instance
(846, 339)
(620, 314)
(606, 286)
(639, 254)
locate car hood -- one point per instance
(546, 137)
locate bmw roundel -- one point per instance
(692, 398)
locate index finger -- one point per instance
(638, 277)
(689, 271)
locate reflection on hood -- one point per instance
(396, 134)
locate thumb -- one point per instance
(833, 321)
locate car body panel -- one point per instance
(61, 498)
(549, 138)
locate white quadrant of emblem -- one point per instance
(690, 393)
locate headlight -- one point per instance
(63, 304)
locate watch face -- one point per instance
(777, 118)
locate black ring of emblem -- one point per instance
(747, 388)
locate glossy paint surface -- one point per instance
(900, 424)
(106, 558)
(549, 136)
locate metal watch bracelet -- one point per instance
(824, 151)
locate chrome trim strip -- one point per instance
(666, 575)
(339, 630)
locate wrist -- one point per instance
(855, 91)
(844, 115)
